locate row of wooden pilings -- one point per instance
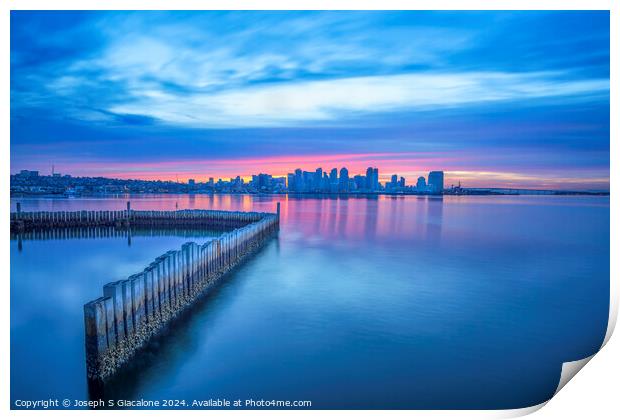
(134, 310)
(112, 232)
(21, 221)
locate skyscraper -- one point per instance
(375, 179)
(308, 179)
(290, 182)
(298, 180)
(435, 182)
(333, 180)
(333, 175)
(318, 175)
(344, 180)
(369, 178)
(421, 184)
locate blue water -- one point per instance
(389, 302)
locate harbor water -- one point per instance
(360, 302)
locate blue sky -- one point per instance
(493, 98)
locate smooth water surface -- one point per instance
(388, 302)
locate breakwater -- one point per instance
(132, 311)
(43, 220)
(114, 232)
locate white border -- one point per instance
(595, 386)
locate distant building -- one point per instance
(316, 180)
(290, 182)
(263, 182)
(344, 180)
(375, 179)
(435, 182)
(298, 181)
(28, 174)
(333, 175)
(191, 182)
(369, 178)
(333, 180)
(360, 182)
(421, 184)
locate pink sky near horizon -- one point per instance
(409, 165)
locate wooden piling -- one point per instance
(135, 309)
(114, 291)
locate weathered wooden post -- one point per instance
(110, 324)
(114, 291)
(95, 331)
(163, 298)
(148, 294)
(137, 298)
(132, 310)
(127, 308)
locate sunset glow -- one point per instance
(191, 96)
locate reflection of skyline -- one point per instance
(410, 270)
(333, 217)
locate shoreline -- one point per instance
(472, 192)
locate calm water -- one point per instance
(407, 302)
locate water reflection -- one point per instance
(363, 302)
(112, 232)
(159, 359)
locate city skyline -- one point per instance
(502, 99)
(337, 180)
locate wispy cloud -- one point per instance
(297, 102)
(121, 86)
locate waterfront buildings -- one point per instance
(338, 181)
(435, 182)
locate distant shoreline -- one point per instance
(465, 192)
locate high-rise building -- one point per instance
(375, 179)
(298, 180)
(344, 180)
(290, 182)
(360, 182)
(333, 175)
(316, 182)
(191, 182)
(325, 183)
(421, 184)
(333, 180)
(401, 182)
(308, 178)
(263, 181)
(369, 178)
(435, 182)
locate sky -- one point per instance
(495, 99)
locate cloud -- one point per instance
(330, 100)
(268, 69)
(521, 91)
